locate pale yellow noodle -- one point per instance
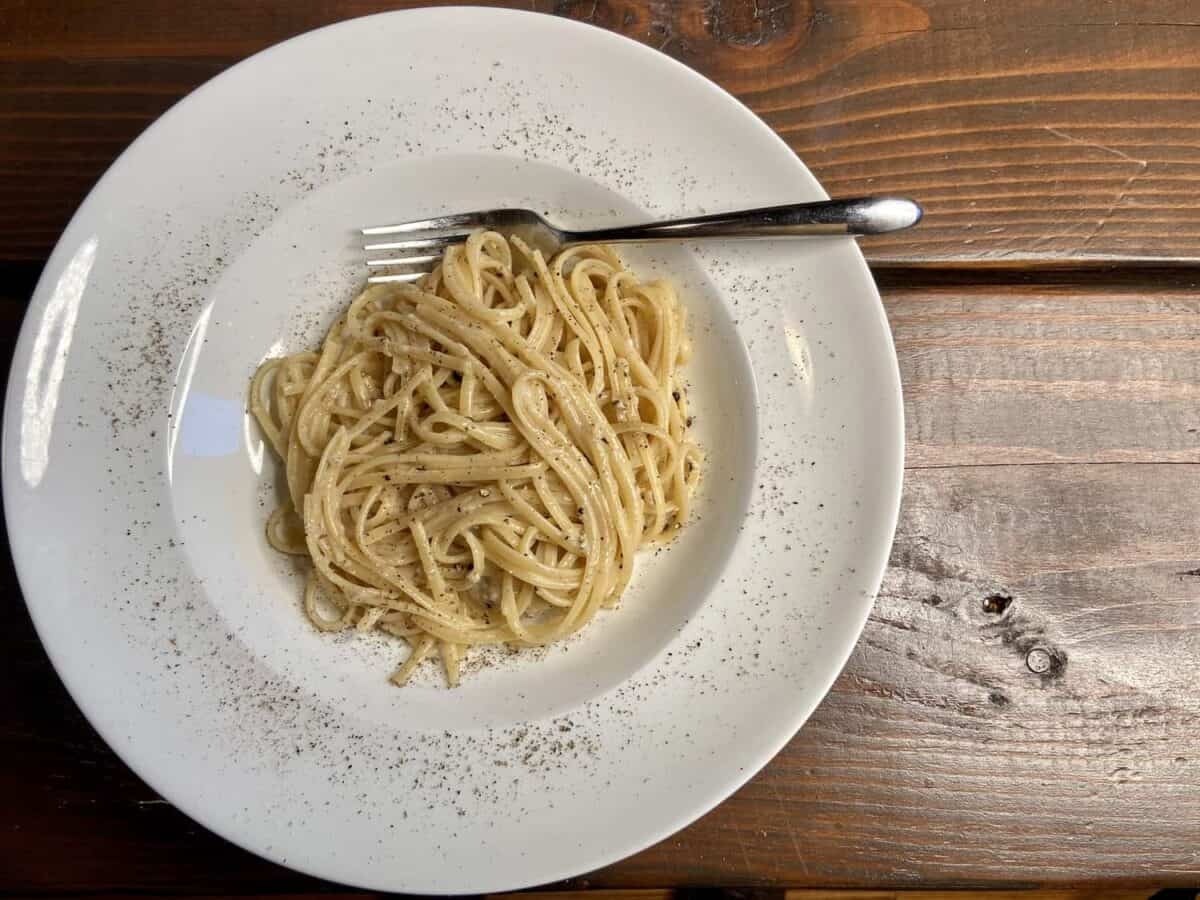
(476, 458)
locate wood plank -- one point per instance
(1032, 131)
(1045, 374)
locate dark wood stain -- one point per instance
(1031, 131)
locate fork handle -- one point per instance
(859, 215)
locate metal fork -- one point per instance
(423, 241)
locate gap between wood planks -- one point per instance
(1038, 274)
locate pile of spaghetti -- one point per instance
(476, 458)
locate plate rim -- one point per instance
(708, 801)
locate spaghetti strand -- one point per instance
(476, 458)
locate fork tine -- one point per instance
(435, 244)
(438, 223)
(423, 261)
(407, 276)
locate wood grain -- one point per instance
(1032, 131)
(1041, 374)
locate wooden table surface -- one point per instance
(1023, 708)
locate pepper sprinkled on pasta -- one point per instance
(475, 459)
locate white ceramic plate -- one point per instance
(136, 488)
